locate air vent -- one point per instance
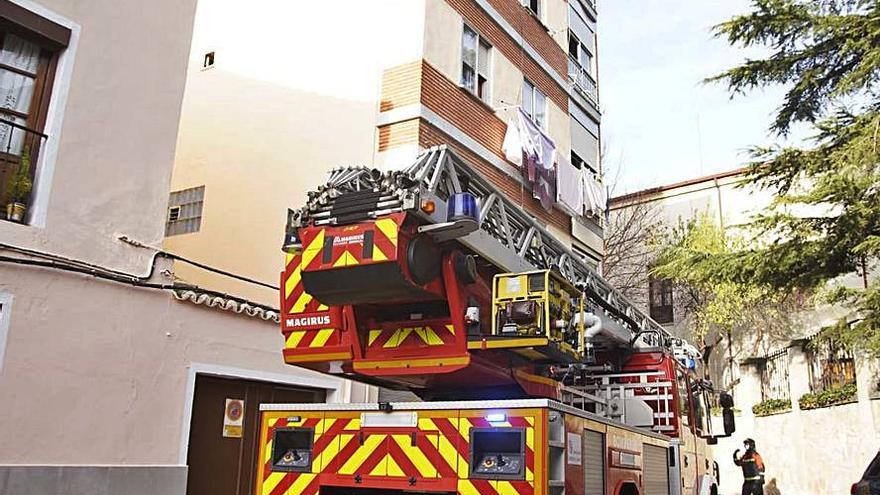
(174, 214)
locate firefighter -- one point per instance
(753, 468)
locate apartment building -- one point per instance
(792, 390)
(280, 93)
(113, 377)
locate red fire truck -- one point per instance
(536, 376)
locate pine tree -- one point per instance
(825, 221)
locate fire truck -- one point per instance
(536, 376)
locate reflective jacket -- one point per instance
(751, 464)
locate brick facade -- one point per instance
(534, 34)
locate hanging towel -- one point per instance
(513, 145)
(569, 187)
(595, 196)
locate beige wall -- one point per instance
(112, 127)
(263, 126)
(98, 372)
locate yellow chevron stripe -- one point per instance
(271, 482)
(374, 334)
(427, 424)
(300, 305)
(428, 335)
(322, 307)
(322, 337)
(294, 339)
(300, 484)
(415, 455)
(346, 259)
(361, 454)
(505, 488)
(391, 467)
(388, 228)
(288, 257)
(292, 281)
(333, 449)
(465, 487)
(451, 329)
(530, 438)
(378, 255)
(313, 249)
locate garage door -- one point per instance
(594, 463)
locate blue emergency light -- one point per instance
(462, 206)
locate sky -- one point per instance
(660, 123)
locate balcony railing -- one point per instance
(582, 81)
(15, 140)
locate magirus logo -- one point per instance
(308, 321)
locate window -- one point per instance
(579, 52)
(684, 408)
(576, 160)
(660, 299)
(475, 63)
(534, 6)
(29, 50)
(209, 60)
(185, 211)
(534, 104)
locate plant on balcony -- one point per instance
(19, 188)
(832, 397)
(771, 406)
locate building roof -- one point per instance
(234, 305)
(626, 198)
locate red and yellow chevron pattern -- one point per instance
(312, 331)
(434, 456)
(424, 335)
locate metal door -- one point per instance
(594, 462)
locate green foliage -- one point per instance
(723, 305)
(771, 406)
(840, 395)
(825, 221)
(19, 187)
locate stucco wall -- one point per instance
(116, 132)
(98, 371)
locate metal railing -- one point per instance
(774, 376)
(582, 81)
(15, 139)
(508, 236)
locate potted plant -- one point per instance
(19, 189)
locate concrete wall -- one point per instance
(112, 128)
(293, 93)
(811, 452)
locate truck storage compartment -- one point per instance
(497, 453)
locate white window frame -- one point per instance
(44, 169)
(581, 49)
(487, 96)
(538, 3)
(5, 319)
(533, 115)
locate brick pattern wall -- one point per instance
(527, 25)
(534, 34)
(431, 136)
(462, 109)
(401, 86)
(398, 134)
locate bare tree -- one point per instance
(629, 247)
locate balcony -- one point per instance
(582, 82)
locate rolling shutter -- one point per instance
(594, 463)
(656, 473)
